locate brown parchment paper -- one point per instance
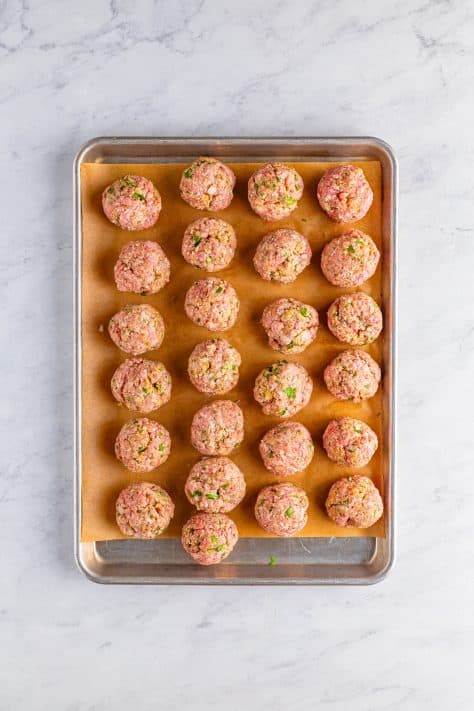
(102, 475)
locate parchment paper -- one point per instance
(103, 475)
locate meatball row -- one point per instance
(349, 260)
(281, 389)
(133, 202)
(291, 325)
(144, 510)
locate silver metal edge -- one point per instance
(387, 150)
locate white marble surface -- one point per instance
(399, 70)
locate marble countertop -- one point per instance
(401, 71)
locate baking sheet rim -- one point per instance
(316, 143)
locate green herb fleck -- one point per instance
(282, 412)
(212, 496)
(141, 449)
(144, 391)
(289, 512)
(161, 448)
(272, 561)
(304, 311)
(127, 181)
(209, 259)
(188, 172)
(289, 201)
(291, 393)
(220, 548)
(214, 539)
(197, 493)
(139, 196)
(219, 290)
(351, 249)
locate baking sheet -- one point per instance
(102, 475)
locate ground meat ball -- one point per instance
(354, 501)
(282, 255)
(350, 259)
(132, 203)
(274, 191)
(212, 303)
(143, 510)
(287, 449)
(207, 185)
(141, 385)
(282, 509)
(352, 375)
(218, 428)
(355, 319)
(142, 268)
(215, 484)
(137, 328)
(291, 326)
(142, 445)
(283, 389)
(213, 366)
(349, 442)
(209, 537)
(344, 193)
(209, 244)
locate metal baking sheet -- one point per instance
(302, 560)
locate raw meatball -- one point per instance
(287, 449)
(209, 244)
(283, 389)
(282, 509)
(349, 442)
(142, 445)
(352, 375)
(207, 185)
(136, 329)
(355, 319)
(344, 193)
(212, 303)
(354, 501)
(274, 191)
(142, 268)
(132, 203)
(209, 537)
(213, 366)
(218, 428)
(215, 484)
(141, 385)
(143, 510)
(291, 326)
(282, 255)
(350, 259)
